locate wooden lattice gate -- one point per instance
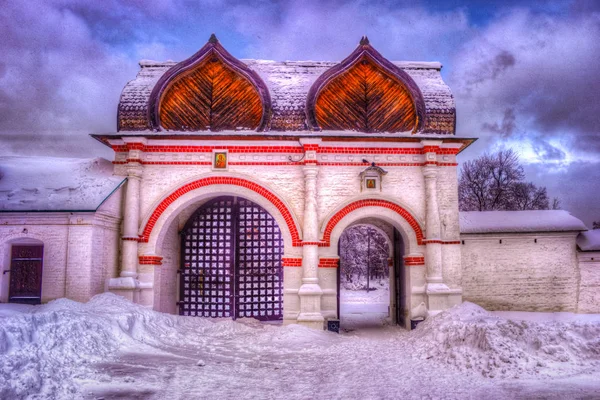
(231, 262)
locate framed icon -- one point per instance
(220, 160)
(371, 183)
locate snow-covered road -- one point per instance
(109, 348)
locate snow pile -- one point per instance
(44, 348)
(589, 241)
(112, 348)
(54, 184)
(519, 221)
(469, 338)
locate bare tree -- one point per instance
(496, 182)
(485, 182)
(527, 196)
(363, 257)
(596, 225)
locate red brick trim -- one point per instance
(409, 261)
(130, 238)
(207, 149)
(291, 262)
(284, 149)
(150, 260)
(329, 262)
(320, 244)
(287, 215)
(291, 163)
(437, 241)
(371, 203)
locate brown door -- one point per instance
(26, 274)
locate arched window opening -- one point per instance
(365, 93)
(210, 91)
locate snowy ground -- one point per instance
(109, 348)
(364, 311)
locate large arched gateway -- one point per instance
(231, 251)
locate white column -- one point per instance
(131, 221)
(127, 284)
(433, 252)
(310, 292)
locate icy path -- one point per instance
(109, 348)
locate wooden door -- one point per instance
(26, 274)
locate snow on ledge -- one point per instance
(55, 184)
(589, 241)
(519, 221)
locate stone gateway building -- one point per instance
(233, 181)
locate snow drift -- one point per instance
(469, 338)
(50, 351)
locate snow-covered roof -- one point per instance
(288, 83)
(519, 221)
(55, 184)
(589, 240)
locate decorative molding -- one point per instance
(329, 262)
(291, 262)
(167, 201)
(150, 260)
(337, 217)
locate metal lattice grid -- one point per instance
(231, 262)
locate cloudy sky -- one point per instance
(526, 75)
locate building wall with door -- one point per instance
(81, 250)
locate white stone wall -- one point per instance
(520, 274)
(589, 289)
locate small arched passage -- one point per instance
(404, 232)
(371, 283)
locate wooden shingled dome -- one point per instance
(210, 91)
(365, 93)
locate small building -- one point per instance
(233, 181)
